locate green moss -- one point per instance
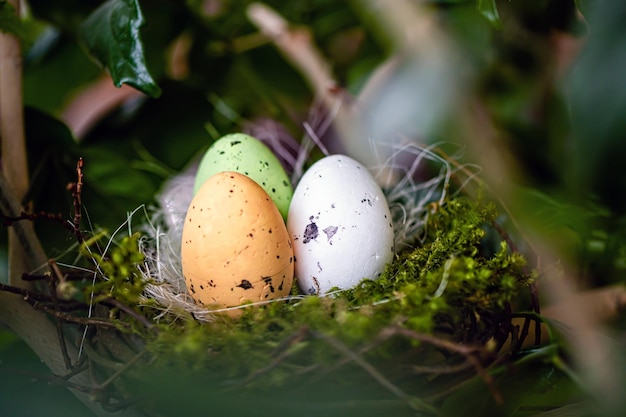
(451, 285)
(118, 281)
(122, 279)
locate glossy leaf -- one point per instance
(111, 34)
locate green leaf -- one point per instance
(111, 34)
(489, 9)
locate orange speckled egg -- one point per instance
(235, 245)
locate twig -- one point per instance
(139, 317)
(443, 369)
(10, 210)
(120, 371)
(464, 350)
(413, 402)
(77, 189)
(95, 358)
(486, 376)
(284, 350)
(33, 296)
(52, 285)
(80, 320)
(378, 340)
(8, 221)
(469, 352)
(27, 294)
(76, 369)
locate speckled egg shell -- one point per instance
(340, 226)
(244, 154)
(235, 245)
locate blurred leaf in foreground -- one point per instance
(534, 384)
(111, 34)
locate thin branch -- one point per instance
(469, 352)
(284, 352)
(80, 320)
(413, 402)
(464, 350)
(52, 285)
(77, 190)
(8, 221)
(137, 316)
(13, 214)
(104, 385)
(33, 296)
(27, 294)
(443, 369)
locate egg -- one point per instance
(340, 226)
(247, 155)
(235, 246)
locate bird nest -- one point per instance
(440, 315)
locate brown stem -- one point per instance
(14, 164)
(469, 352)
(77, 191)
(79, 320)
(137, 316)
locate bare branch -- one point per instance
(413, 402)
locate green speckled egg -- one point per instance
(249, 156)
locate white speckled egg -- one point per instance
(235, 245)
(340, 226)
